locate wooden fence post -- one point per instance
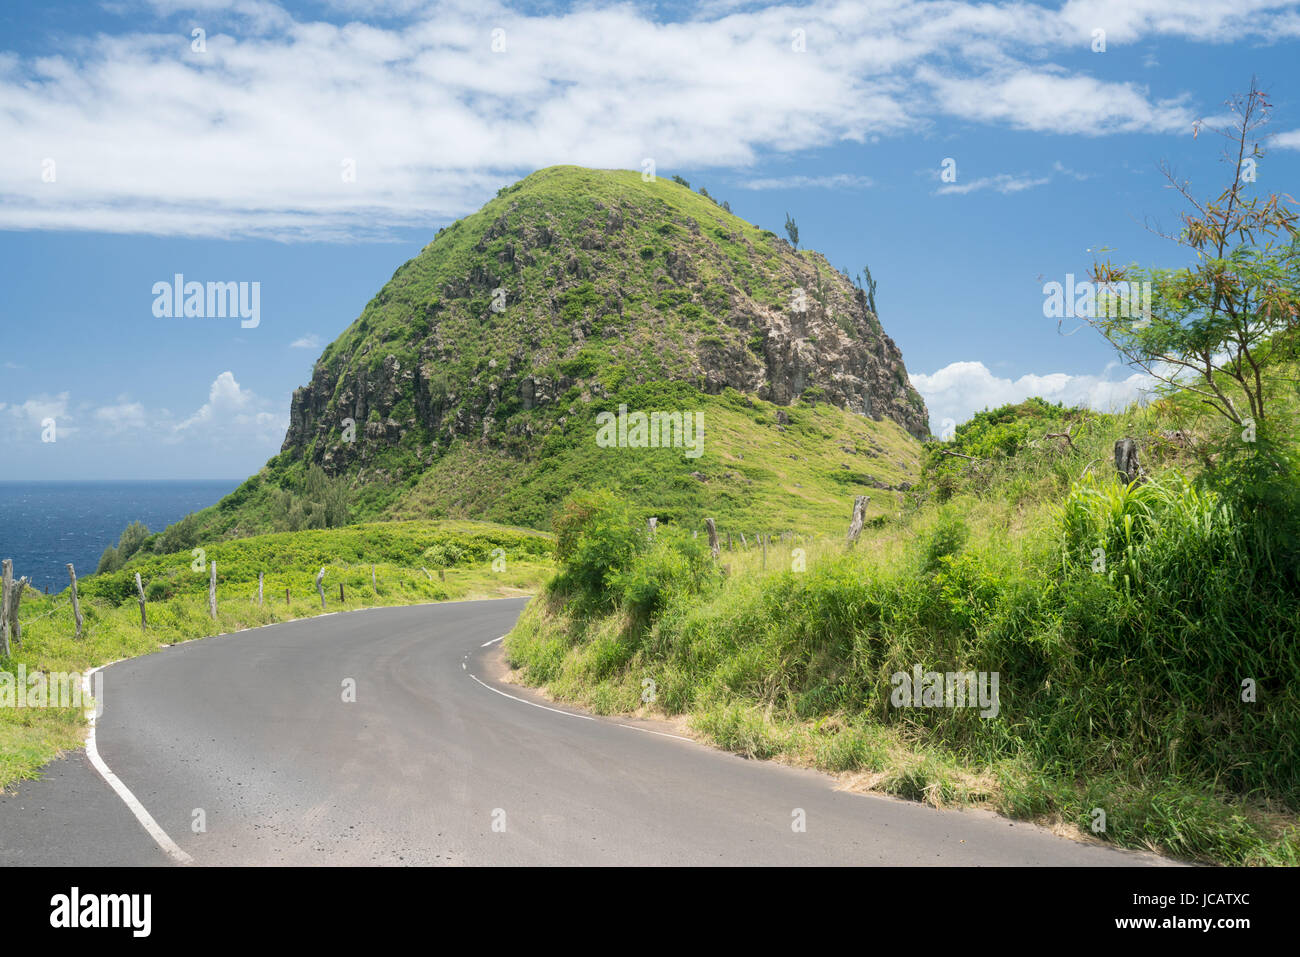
(76, 603)
(859, 518)
(259, 588)
(764, 541)
(286, 596)
(1126, 461)
(373, 582)
(212, 590)
(729, 548)
(139, 589)
(341, 598)
(712, 526)
(15, 625)
(320, 588)
(744, 542)
(6, 586)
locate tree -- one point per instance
(179, 537)
(870, 288)
(792, 231)
(1211, 325)
(109, 561)
(681, 182)
(133, 539)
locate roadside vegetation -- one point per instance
(1145, 630)
(394, 563)
(1129, 624)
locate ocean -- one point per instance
(45, 525)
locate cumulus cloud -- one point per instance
(311, 341)
(308, 128)
(960, 389)
(232, 413)
(28, 418)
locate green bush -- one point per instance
(596, 539)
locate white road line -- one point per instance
(584, 717)
(662, 734)
(492, 642)
(130, 800)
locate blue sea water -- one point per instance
(45, 525)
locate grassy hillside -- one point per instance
(470, 384)
(764, 468)
(459, 558)
(1159, 685)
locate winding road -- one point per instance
(436, 761)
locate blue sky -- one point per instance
(134, 152)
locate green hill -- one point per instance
(470, 386)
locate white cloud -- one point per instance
(231, 414)
(1059, 167)
(234, 424)
(41, 407)
(121, 417)
(960, 389)
(1289, 140)
(834, 181)
(250, 136)
(310, 341)
(1208, 21)
(1002, 183)
(1051, 102)
(25, 421)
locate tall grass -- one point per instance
(1145, 637)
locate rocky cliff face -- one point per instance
(575, 284)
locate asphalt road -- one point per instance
(437, 762)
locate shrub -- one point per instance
(595, 540)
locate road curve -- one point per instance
(435, 762)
